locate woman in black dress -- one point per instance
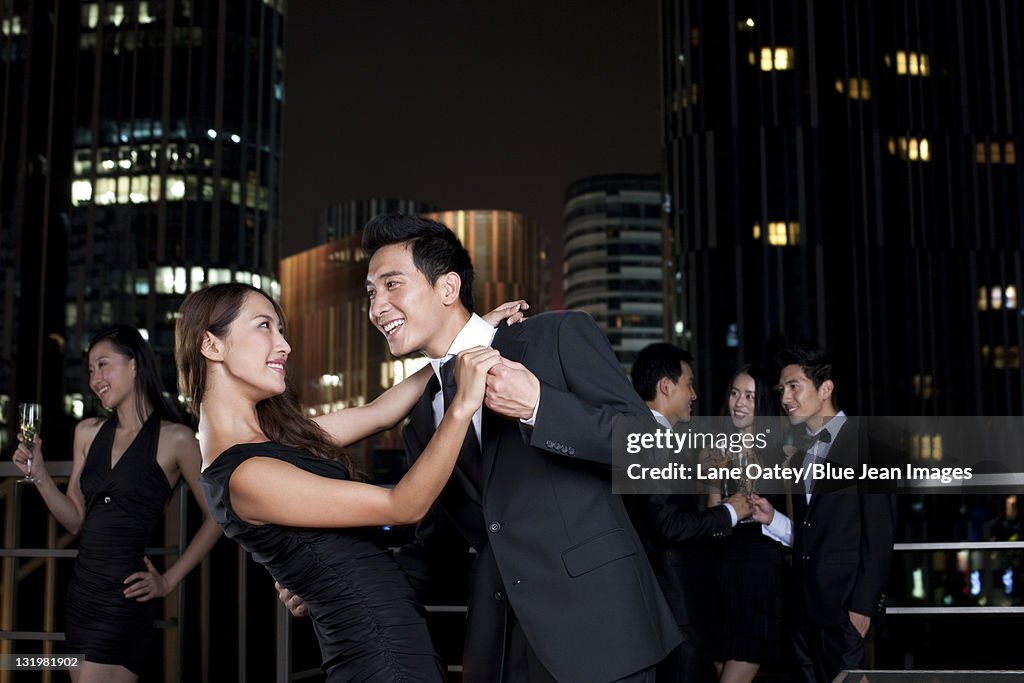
(124, 468)
(280, 485)
(749, 565)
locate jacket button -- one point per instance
(807, 557)
(498, 595)
(572, 451)
(549, 443)
(807, 524)
(517, 582)
(494, 527)
(106, 499)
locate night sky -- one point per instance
(464, 104)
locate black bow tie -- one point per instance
(823, 436)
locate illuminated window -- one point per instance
(142, 286)
(776, 59)
(780, 233)
(1010, 295)
(984, 356)
(854, 88)
(115, 13)
(683, 99)
(1014, 357)
(175, 188)
(911, 149)
(12, 26)
(999, 358)
(164, 280)
(997, 297)
(144, 16)
(924, 386)
(995, 153)
(197, 276)
(982, 299)
(912, 63)
(81, 192)
(105, 191)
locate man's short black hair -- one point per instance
(654, 362)
(436, 250)
(814, 361)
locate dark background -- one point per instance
(464, 104)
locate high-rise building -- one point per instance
(175, 173)
(506, 250)
(613, 257)
(37, 42)
(847, 173)
(348, 218)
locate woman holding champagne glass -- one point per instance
(749, 565)
(124, 469)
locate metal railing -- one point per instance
(18, 564)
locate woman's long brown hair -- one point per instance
(213, 309)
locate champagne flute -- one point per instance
(30, 418)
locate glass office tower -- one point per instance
(847, 173)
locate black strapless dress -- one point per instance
(365, 614)
(123, 505)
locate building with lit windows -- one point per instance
(176, 150)
(613, 258)
(847, 173)
(507, 252)
(36, 39)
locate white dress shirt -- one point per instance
(781, 527)
(477, 332)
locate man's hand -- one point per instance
(860, 622)
(740, 502)
(512, 390)
(295, 604)
(763, 510)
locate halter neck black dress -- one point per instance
(364, 612)
(123, 505)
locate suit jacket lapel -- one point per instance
(507, 343)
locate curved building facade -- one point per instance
(505, 246)
(613, 257)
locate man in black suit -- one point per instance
(561, 589)
(675, 528)
(842, 536)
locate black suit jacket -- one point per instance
(553, 540)
(676, 534)
(842, 541)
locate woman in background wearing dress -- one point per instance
(749, 565)
(123, 470)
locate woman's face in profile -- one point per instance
(741, 401)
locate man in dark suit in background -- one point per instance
(842, 537)
(676, 528)
(561, 588)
